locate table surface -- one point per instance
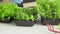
(11, 28)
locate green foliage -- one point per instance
(18, 13)
(25, 14)
(49, 9)
(12, 10)
(59, 26)
(7, 10)
(34, 12)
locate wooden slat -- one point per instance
(30, 4)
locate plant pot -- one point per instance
(50, 21)
(37, 21)
(24, 23)
(25, 1)
(0, 20)
(6, 20)
(59, 20)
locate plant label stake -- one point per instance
(51, 28)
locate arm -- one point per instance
(20, 0)
(17, 1)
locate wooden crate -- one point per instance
(4, 1)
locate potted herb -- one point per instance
(24, 17)
(58, 9)
(35, 14)
(7, 12)
(48, 10)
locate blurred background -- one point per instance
(11, 28)
(25, 2)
